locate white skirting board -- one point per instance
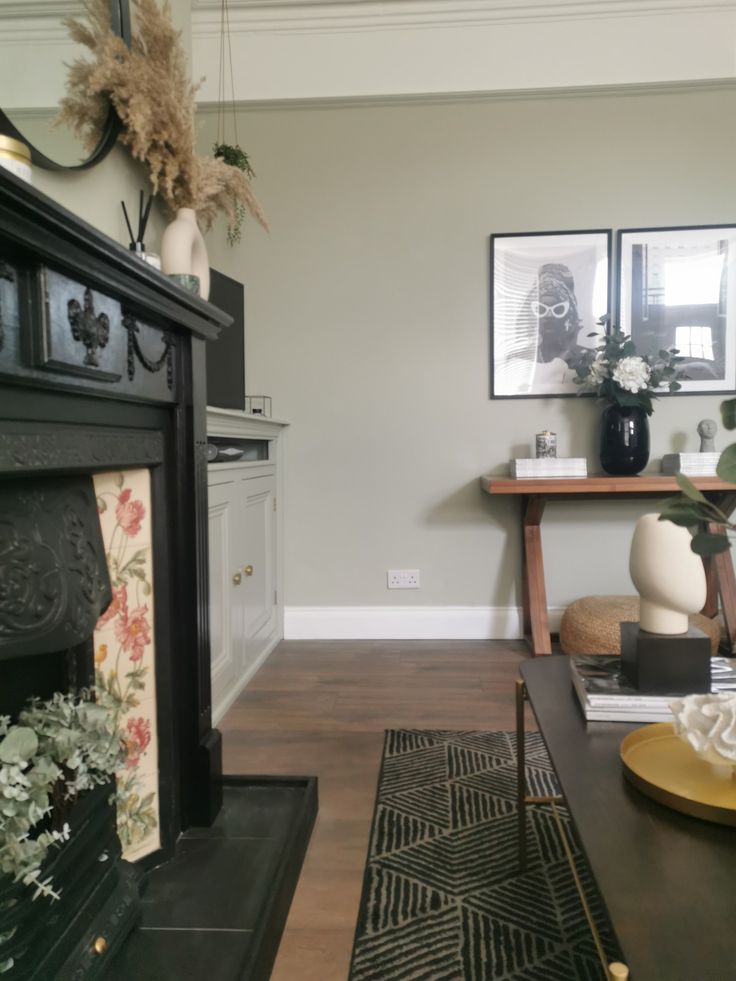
(407, 622)
(220, 708)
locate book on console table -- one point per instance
(549, 466)
(691, 464)
(605, 695)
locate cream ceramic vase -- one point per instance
(668, 575)
(183, 252)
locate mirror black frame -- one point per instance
(120, 22)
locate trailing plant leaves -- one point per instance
(706, 544)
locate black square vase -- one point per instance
(665, 664)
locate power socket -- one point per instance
(402, 578)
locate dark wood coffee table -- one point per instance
(668, 880)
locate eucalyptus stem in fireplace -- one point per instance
(57, 750)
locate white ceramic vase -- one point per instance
(668, 575)
(183, 252)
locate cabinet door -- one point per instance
(226, 626)
(259, 564)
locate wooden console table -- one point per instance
(533, 497)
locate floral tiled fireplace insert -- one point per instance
(125, 652)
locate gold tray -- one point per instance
(662, 766)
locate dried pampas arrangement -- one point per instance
(149, 86)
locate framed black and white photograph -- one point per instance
(548, 292)
(677, 289)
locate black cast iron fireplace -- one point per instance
(102, 378)
(101, 371)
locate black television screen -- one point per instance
(226, 355)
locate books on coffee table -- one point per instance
(605, 695)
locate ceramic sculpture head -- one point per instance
(667, 574)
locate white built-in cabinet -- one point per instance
(246, 607)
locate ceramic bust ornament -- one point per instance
(707, 430)
(667, 574)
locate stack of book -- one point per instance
(606, 696)
(691, 464)
(548, 466)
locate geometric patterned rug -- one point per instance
(442, 898)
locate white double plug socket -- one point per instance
(403, 578)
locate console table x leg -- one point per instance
(534, 593)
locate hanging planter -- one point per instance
(235, 157)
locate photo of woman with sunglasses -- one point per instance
(549, 291)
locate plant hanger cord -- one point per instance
(221, 112)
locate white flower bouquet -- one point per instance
(617, 374)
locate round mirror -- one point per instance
(35, 54)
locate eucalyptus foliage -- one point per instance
(58, 749)
(617, 374)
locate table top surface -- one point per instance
(598, 484)
(667, 880)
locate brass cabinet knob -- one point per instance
(248, 570)
(100, 945)
(237, 578)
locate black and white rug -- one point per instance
(443, 899)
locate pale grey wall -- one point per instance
(95, 194)
(367, 322)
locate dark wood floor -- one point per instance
(321, 707)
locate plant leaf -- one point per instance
(19, 745)
(682, 513)
(728, 413)
(689, 489)
(707, 544)
(726, 468)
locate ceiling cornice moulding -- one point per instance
(505, 95)
(302, 16)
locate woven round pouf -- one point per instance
(591, 625)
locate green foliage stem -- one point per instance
(693, 510)
(59, 748)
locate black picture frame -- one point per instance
(677, 289)
(549, 290)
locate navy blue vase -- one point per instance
(624, 440)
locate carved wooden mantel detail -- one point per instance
(135, 351)
(92, 330)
